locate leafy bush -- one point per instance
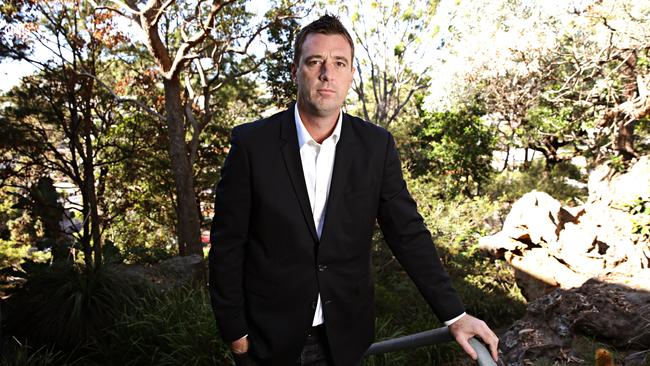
(511, 185)
(141, 239)
(140, 254)
(18, 230)
(452, 149)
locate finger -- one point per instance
(493, 343)
(494, 350)
(467, 348)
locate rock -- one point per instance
(535, 213)
(171, 273)
(607, 312)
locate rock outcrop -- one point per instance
(555, 323)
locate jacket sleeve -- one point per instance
(411, 242)
(228, 237)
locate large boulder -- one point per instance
(551, 246)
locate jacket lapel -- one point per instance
(292, 161)
(345, 153)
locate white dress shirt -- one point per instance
(317, 165)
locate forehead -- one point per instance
(317, 44)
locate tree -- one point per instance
(196, 48)
(391, 45)
(58, 120)
(561, 81)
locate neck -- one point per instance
(319, 127)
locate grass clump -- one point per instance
(65, 306)
(173, 328)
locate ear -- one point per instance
(294, 70)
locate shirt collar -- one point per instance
(303, 134)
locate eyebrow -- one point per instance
(320, 57)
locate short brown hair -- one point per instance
(327, 24)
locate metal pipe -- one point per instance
(427, 338)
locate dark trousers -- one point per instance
(315, 352)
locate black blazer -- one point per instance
(267, 265)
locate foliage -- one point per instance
(141, 254)
(65, 306)
(562, 182)
(454, 149)
(173, 328)
(278, 64)
(640, 209)
(17, 230)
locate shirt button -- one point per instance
(322, 268)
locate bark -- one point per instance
(89, 186)
(189, 224)
(625, 125)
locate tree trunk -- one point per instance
(188, 229)
(89, 177)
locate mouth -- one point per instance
(325, 91)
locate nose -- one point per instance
(325, 72)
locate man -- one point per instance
(300, 192)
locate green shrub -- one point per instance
(18, 229)
(453, 150)
(140, 254)
(511, 185)
(141, 239)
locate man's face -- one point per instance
(323, 74)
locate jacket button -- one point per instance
(322, 267)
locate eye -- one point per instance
(341, 64)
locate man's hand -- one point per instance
(239, 346)
(467, 327)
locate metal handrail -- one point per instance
(427, 338)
